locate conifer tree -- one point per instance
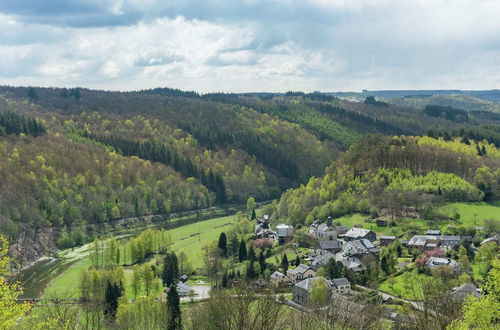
(284, 263)
(173, 309)
(243, 251)
(222, 244)
(170, 270)
(251, 254)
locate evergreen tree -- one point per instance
(465, 140)
(254, 216)
(32, 95)
(111, 296)
(170, 274)
(173, 309)
(243, 251)
(297, 261)
(250, 273)
(483, 150)
(251, 254)
(224, 280)
(284, 263)
(262, 262)
(222, 244)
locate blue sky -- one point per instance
(251, 45)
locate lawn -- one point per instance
(404, 286)
(474, 214)
(189, 238)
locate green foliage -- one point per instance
(170, 275)
(14, 123)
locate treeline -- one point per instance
(13, 123)
(446, 112)
(490, 133)
(164, 154)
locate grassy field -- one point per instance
(405, 285)
(189, 238)
(474, 214)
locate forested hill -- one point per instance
(72, 157)
(391, 176)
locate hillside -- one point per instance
(397, 176)
(76, 157)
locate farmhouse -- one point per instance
(463, 291)
(300, 272)
(359, 233)
(359, 249)
(320, 258)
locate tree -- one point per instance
(284, 263)
(251, 254)
(262, 262)
(254, 216)
(243, 252)
(463, 260)
(136, 281)
(170, 270)
(112, 294)
(222, 244)
(483, 312)
(173, 309)
(10, 310)
(251, 205)
(32, 95)
(319, 293)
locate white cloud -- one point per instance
(226, 46)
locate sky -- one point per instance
(251, 45)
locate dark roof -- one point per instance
(329, 244)
(340, 281)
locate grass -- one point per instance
(404, 285)
(474, 214)
(189, 238)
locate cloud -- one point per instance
(251, 44)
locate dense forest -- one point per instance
(395, 176)
(73, 157)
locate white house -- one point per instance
(284, 232)
(278, 277)
(341, 285)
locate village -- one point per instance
(343, 265)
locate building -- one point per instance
(386, 240)
(463, 291)
(278, 278)
(433, 232)
(320, 258)
(351, 263)
(183, 289)
(341, 230)
(359, 249)
(284, 233)
(359, 233)
(332, 245)
(183, 278)
(301, 291)
(423, 242)
(300, 272)
(495, 239)
(341, 285)
(434, 262)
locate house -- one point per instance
(320, 258)
(495, 239)
(463, 291)
(322, 231)
(433, 232)
(341, 230)
(359, 249)
(284, 232)
(301, 291)
(261, 232)
(278, 278)
(359, 233)
(386, 240)
(351, 263)
(332, 245)
(183, 278)
(259, 283)
(434, 262)
(423, 242)
(300, 272)
(450, 242)
(183, 289)
(341, 285)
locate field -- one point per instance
(474, 214)
(189, 238)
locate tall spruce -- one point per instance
(111, 296)
(170, 270)
(173, 309)
(251, 254)
(222, 244)
(284, 263)
(243, 251)
(262, 262)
